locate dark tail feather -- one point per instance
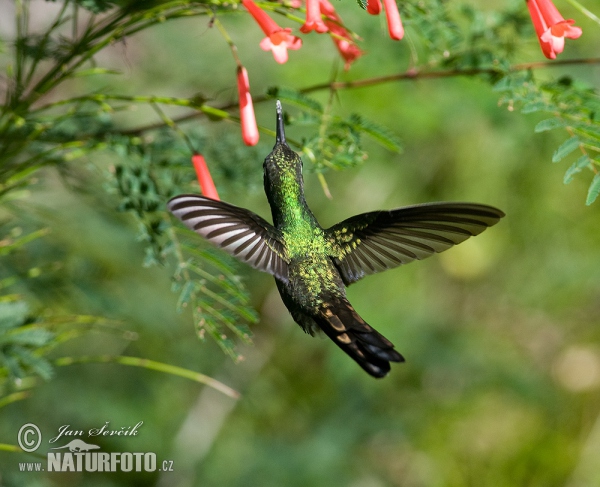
(371, 350)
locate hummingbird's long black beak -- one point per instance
(280, 135)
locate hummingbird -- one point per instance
(312, 265)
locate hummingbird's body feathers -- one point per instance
(311, 265)
(237, 231)
(380, 240)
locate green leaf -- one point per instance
(566, 148)
(30, 335)
(185, 295)
(217, 297)
(12, 365)
(534, 106)
(362, 4)
(210, 256)
(19, 242)
(549, 124)
(505, 84)
(296, 98)
(96, 6)
(576, 167)
(591, 133)
(38, 365)
(12, 314)
(377, 132)
(94, 71)
(594, 190)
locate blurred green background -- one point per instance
(501, 385)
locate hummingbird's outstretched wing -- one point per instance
(379, 240)
(237, 231)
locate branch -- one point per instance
(411, 74)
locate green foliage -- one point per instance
(206, 281)
(290, 96)
(59, 132)
(566, 148)
(19, 342)
(377, 132)
(219, 301)
(337, 143)
(576, 167)
(457, 35)
(27, 338)
(573, 107)
(594, 190)
(96, 6)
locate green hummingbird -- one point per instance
(312, 265)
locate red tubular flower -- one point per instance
(249, 128)
(550, 27)
(204, 178)
(393, 19)
(266, 23)
(313, 18)
(278, 40)
(345, 45)
(328, 10)
(374, 7)
(340, 36)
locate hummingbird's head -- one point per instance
(282, 162)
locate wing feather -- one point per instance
(237, 231)
(376, 241)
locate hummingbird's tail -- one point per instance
(371, 350)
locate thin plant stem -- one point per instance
(228, 39)
(14, 397)
(151, 365)
(169, 122)
(57, 22)
(16, 449)
(584, 11)
(411, 74)
(11, 448)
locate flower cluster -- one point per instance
(550, 26)
(321, 17)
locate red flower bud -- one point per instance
(393, 20)
(313, 18)
(249, 128)
(340, 36)
(328, 10)
(345, 45)
(374, 7)
(204, 178)
(266, 23)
